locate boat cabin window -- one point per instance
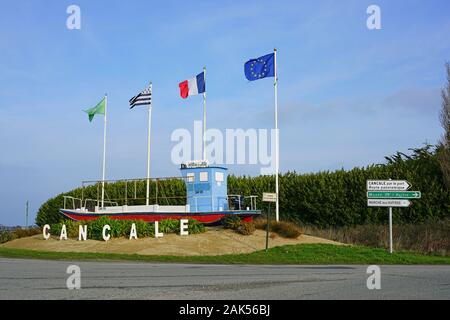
(219, 176)
(203, 176)
(190, 177)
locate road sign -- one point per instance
(269, 197)
(390, 193)
(394, 194)
(388, 185)
(388, 203)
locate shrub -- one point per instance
(143, 229)
(25, 232)
(95, 227)
(118, 228)
(5, 236)
(195, 226)
(72, 228)
(169, 226)
(231, 222)
(285, 229)
(55, 229)
(246, 228)
(260, 223)
(8, 235)
(282, 228)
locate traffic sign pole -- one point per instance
(390, 226)
(267, 229)
(390, 229)
(269, 197)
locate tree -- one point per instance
(444, 144)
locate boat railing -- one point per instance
(241, 201)
(132, 192)
(97, 202)
(76, 202)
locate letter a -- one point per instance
(74, 20)
(133, 232)
(63, 234)
(374, 20)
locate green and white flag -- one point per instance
(98, 109)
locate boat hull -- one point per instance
(203, 217)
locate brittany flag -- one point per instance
(192, 86)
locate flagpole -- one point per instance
(277, 169)
(148, 146)
(204, 115)
(104, 152)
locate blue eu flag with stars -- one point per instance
(259, 68)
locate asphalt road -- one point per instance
(41, 279)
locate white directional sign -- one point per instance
(387, 185)
(388, 203)
(390, 193)
(269, 197)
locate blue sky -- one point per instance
(348, 96)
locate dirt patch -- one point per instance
(216, 241)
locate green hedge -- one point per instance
(321, 199)
(340, 198)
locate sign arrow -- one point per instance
(388, 185)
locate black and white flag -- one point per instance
(143, 98)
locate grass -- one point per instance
(289, 254)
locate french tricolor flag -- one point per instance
(192, 86)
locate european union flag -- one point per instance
(259, 68)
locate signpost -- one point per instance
(268, 197)
(390, 193)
